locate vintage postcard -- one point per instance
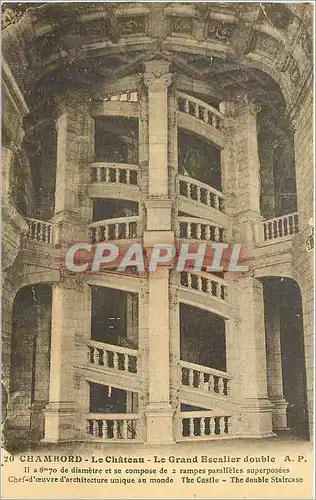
(157, 250)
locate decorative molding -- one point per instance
(220, 31)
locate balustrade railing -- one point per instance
(111, 356)
(200, 192)
(117, 173)
(115, 426)
(122, 228)
(199, 109)
(205, 378)
(205, 283)
(278, 228)
(39, 230)
(203, 424)
(200, 229)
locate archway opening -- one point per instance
(285, 355)
(30, 361)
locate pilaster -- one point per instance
(257, 409)
(274, 366)
(70, 322)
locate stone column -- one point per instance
(159, 413)
(70, 324)
(42, 364)
(250, 341)
(241, 167)
(74, 153)
(274, 366)
(7, 164)
(157, 79)
(132, 318)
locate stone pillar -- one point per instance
(7, 164)
(42, 364)
(70, 324)
(75, 139)
(159, 412)
(267, 193)
(157, 79)
(274, 366)
(241, 167)
(132, 318)
(250, 341)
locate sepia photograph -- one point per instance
(157, 250)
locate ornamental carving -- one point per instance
(219, 31)
(267, 44)
(132, 25)
(290, 67)
(182, 25)
(157, 81)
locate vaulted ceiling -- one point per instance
(261, 48)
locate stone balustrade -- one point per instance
(205, 378)
(200, 192)
(203, 425)
(200, 229)
(113, 426)
(114, 357)
(206, 283)
(199, 109)
(117, 173)
(278, 229)
(121, 228)
(39, 230)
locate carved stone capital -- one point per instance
(157, 82)
(157, 77)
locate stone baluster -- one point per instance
(106, 232)
(117, 175)
(124, 429)
(188, 189)
(105, 429)
(191, 427)
(216, 202)
(125, 362)
(115, 360)
(187, 106)
(196, 110)
(198, 192)
(216, 233)
(116, 231)
(199, 283)
(201, 380)
(199, 231)
(189, 280)
(211, 384)
(202, 427)
(208, 232)
(107, 175)
(220, 386)
(116, 429)
(208, 198)
(212, 426)
(98, 174)
(128, 176)
(98, 233)
(189, 230)
(95, 428)
(205, 115)
(214, 120)
(191, 377)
